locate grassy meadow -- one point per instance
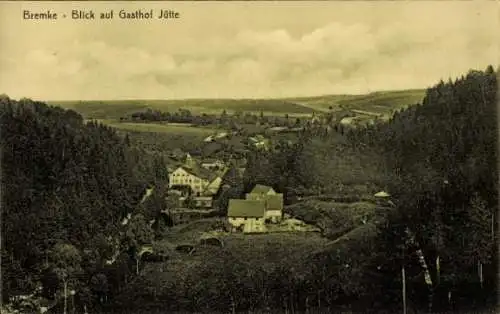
(169, 128)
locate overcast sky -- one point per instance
(243, 49)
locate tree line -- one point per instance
(225, 120)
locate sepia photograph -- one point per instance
(249, 157)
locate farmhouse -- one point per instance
(273, 201)
(247, 215)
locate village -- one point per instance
(198, 182)
(196, 186)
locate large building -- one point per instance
(200, 181)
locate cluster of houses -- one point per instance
(197, 183)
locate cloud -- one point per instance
(396, 50)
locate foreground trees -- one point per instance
(442, 161)
(66, 185)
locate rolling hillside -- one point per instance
(378, 102)
(111, 109)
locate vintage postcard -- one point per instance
(257, 157)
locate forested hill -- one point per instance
(66, 185)
(442, 161)
(450, 139)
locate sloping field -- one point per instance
(110, 109)
(322, 103)
(383, 102)
(160, 128)
(96, 109)
(377, 102)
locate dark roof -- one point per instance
(246, 208)
(274, 202)
(212, 148)
(211, 160)
(261, 189)
(172, 164)
(200, 172)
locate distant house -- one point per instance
(273, 201)
(347, 121)
(221, 135)
(259, 141)
(209, 139)
(247, 215)
(278, 129)
(213, 164)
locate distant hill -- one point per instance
(113, 109)
(379, 102)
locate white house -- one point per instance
(201, 181)
(209, 139)
(247, 215)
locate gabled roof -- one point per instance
(246, 208)
(261, 189)
(274, 202)
(200, 172)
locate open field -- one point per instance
(381, 102)
(160, 128)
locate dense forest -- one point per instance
(438, 161)
(67, 185)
